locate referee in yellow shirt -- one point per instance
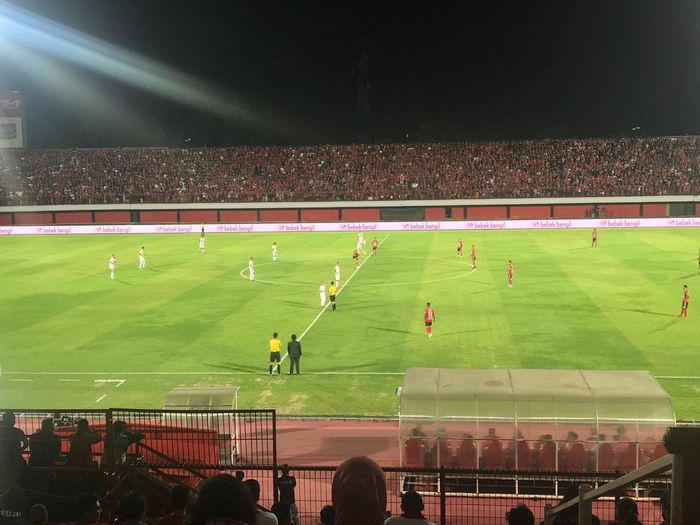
(275, 345)
(331, 292)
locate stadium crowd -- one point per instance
(547, 168)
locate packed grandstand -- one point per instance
(546, 168)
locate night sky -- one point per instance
(438, 71)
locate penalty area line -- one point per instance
(357, 269)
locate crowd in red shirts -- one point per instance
(546, 168)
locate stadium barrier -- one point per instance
(551, 224)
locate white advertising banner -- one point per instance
(549, 224)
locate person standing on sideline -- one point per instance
(473, 257)
(112, 266)
(251, 269)
(331, 293)
(274, 252)
(202, 242)
(686, 300)
(337, 272)
(429, 317)
(275, 360)
(375, 246)
(510, 274)
(460, 246)
(142, 258)
(286, 485)
(322, 294)
(294, 353)
(594, 239)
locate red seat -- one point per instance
(445, 457)
(493, 456)
(413, 453)
(547, 456)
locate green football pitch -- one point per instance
(70, 337)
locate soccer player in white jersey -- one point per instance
(274, 252)
(142, 258)
(337, 274)
(251, 269)
(202, 242)
(112, 266)
(322, 294)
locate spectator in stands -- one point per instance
(359, 492)
(411, 511)
(286, 485)
(492, 454)
(38, 515)
(520, 515)
(327, 515)
(116, 447)
(13, 442)
(132, 509)
(282, 513)
(626, 512)
(87, 509)
(226, 498)
(524, 459)
(179, 497)
(44, 446)
(262, 517)
(466, 453)
(80, 452)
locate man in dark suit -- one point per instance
(294, 352)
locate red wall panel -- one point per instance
(239, 216)
(73, 217)
(158, 216)
(112, 217)
(189, 216)
(458, 213)
(279, 215)
(326, 215)
(529, 212)
(620, 210)
(435, 214)
(360, 214)
(486, 213)
(33, 218)
(655, 210)
(574, 211)
(697, 209)
(5, 219)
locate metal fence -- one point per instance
(171, 438)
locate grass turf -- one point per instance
(193, 319)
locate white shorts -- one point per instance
(323, 299)
(111, 267)
(337, 278)
(252, 275)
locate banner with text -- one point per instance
(11, 120)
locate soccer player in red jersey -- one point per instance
(510, 274)
(459, 248)
(375, 246)
(473, 257)
(686, 300)
(429, 316)
(356, 256)
(594, 239)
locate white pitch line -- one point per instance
(357, 269)
(101, 398)
(677, 377)
(71, 380)
(188, 373)
(23, 380)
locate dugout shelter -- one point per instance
(532, 420)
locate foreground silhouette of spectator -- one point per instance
(179, 497)
(13, 442)
(570, 515)
(223, 500)
(626, 513)
(87, 509)
(359, 492)
(282, 513)
(81, 442)
(44, 446)
(327, 515)
(520, 515)
(38, 515)
(13, 504)
(116, 447)
(412, 511)
(286, 485)
(262, 517)
(132, 509)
